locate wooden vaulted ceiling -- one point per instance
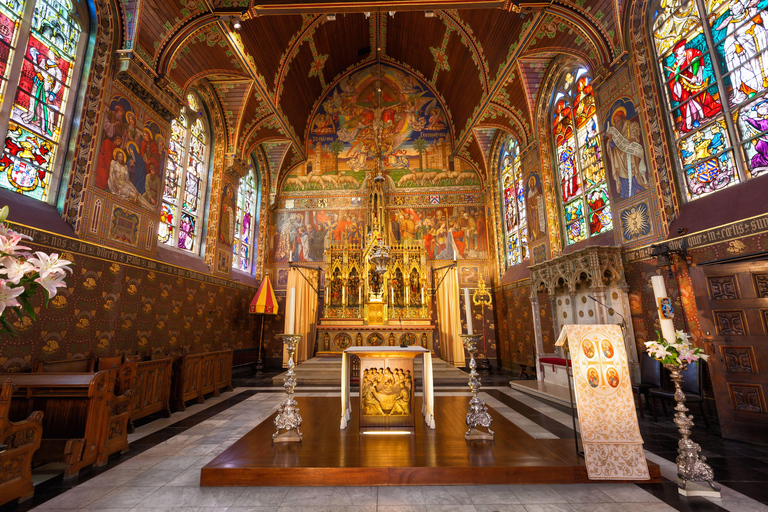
(485, 63)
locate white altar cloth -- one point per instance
(428, 406)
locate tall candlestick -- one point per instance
(660, 292)
(292, 310)
(468, 311)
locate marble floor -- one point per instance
(162, 469)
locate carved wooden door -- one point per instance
(733, 307)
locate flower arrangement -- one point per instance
(22, 272)
(678, 353)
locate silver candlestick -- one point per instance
(288, 418)
(477, 414)
(690, 467)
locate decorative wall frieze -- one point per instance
(597, 266)
(139, 83)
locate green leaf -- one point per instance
(7, 326)
(26, 306)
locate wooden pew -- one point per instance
(20, 440)
(83, 423)
(82, 365)
(150, 383)
(196, 375)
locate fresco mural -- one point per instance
(415, 137)
(448, 232)
(300, 236)
(131, 155)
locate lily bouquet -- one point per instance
(22, 272)
(678, 353)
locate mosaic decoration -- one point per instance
(247, 199)
(34, 129)
(184, 183)
(513, 193)
(584, 196)
(700, 120)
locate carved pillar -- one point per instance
(601, 315)
(555, 321)
(539, 343)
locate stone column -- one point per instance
(539, 343)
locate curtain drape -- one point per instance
(448, 323)
(305, 319)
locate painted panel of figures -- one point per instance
(300, 236)
(624, 146)
(131, 155)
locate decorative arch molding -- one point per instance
(389, 62)
(645, 71)
(106, 21)
(452, 19)
(212, 74)
(177, 38)
(247, 146)
(588, 25)
(259, 142)
(209, 98)
(294, 45)
(469, 162)
(516, 120)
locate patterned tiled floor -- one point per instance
(162, 469)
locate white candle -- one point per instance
(422, 294)
(660, 292)
(468, 311)
(344, 295)
(292, 310)
(406, 295)
(359, 294)
(392, 296)
(454, 255)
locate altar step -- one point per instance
(326, 371)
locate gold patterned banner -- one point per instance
(613, 448)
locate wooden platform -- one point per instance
(330, 456)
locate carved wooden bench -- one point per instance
(149, 381)
(197, 375)
(19, 442)
(83, 423)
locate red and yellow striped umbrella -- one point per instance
(264, 302)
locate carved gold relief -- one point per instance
(386, 392)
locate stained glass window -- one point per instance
(184, 185)
(579, 158)
(244, 227)
(709, 51)
(38, 103)
(513, 198)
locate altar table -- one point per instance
(369, 354)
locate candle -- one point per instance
(343, 295)
(660, 292)
(454, 255)
(360, 294)
(468, 311)
(292, 310)
(406, 296)
(422, 294)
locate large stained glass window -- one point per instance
(584, 199)
(37, 103)
(244, 227)
(709, 51)
(184, 186)
(513, 198)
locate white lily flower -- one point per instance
(46, 264)
(8, 295)
(14, 269)
(8, 232)
(51, 281)
(9, 245)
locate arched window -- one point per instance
(707, 52)
(246, 220)
(185, 173)
(38, 100)
(584, 199)
(513, 194)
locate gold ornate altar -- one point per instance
(366, 308)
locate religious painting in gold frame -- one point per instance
(386, 392)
